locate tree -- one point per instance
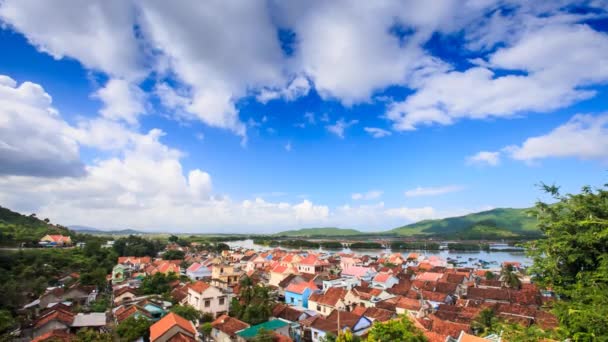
(174, 255)
(395, 330)
(572, 259)
(90, 335)
(484, 323)
(206, 329)
(173, 238)
(264, 335)
(254, 304)
(187, 311)
(517, 332)
(133, 328)
(6, 321)
(158, 283)
(509, 278)
(490, 275)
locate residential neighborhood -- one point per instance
(302, 295)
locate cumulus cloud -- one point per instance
(484, 158)
(433, 191)
(340, 126)
(122, 100)
(583, 136)
(549, 83)
(370, 195)
(34, 140)
(298, 87)
(377, 132)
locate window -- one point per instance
(207, 303)
(222, 299)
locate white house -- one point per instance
(207, 298)
(384, 280)
(198, 271)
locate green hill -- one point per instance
(327, 231)
(16, 228)
(491, 224)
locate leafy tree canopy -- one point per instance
(395, 330)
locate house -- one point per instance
(277, 326)
(312, 265)
(65, 320)
(55, 240)
(280, 272)
(346, 283)
(224, 328)
(76, 293)
(164, 267)
(198, 271)
(55, 336)
(124, 294)
(429, 276)
(366, 296)
(359, 272)
(224, 275)
(173, 327)
(207, 298)
(321, 326)
(347, 262)
(289, 313)
(384, 280)
(326, 303)
(297, 294)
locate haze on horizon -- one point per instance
(153, 115)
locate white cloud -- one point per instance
(310, 117)
(298, 87)
(377, 132)
(477, 93)
(370, 195)
(288, 146)
(339, 127)
(583, 136)
(484, 158)
(99, 34)
(34, 140)
(433, 191)
(122, 100)
(412, 214)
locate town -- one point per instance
(238, 294)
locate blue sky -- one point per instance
(283, 115)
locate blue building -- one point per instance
(297, 294)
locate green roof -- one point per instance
(270, 325)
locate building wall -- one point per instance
(209, 301)
(220, 336)
(297, 299)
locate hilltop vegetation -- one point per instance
(501, 223)
(323, 232)
(16, 229)
(491, 224)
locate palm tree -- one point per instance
(509, 277)
(484, 323)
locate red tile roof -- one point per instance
(382, 277)
(229, 325)
(54, 335)
(331, 296)
(300, 288)
(62, 316)
(200, 286)
(159, 328)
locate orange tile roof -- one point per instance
(382, 277)
(60, 315)
(464, 337)
(229, 325)
(54, 335)
(299, 288)
(200, 286)
(159, 328)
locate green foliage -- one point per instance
(466, 246)
(572, 259)
(187, 311)
(491, 224)
(206, 328)
(517, 332)
(173, 238)
(366, 245)
(137, 246)
(415, 245)
(100, 305)
(17, 229)
(174, 255)
(7, 321)
(490, 275)
(485, 322)
(133, 328)
(509, 278)
(395, 330)
(264, 335)
(331, 244)
(90, 335)
(158, 283)
(322, 232)
(25, 274)
(254, 304)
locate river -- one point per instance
(463, 257)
